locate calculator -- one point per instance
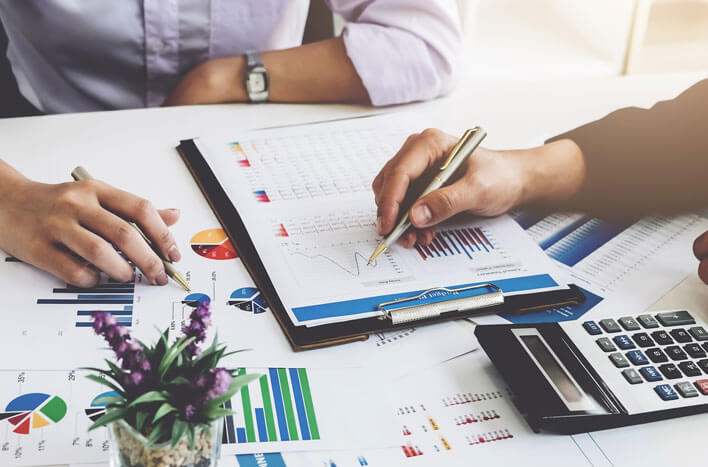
(577, 376)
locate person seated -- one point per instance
(103, 55)
(632, 163)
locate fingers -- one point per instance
(64, 265)
(169, 216)
(96, 251)
(142, 212)
(700, 249)
(441, 204)
(125, 237)
(417, 154)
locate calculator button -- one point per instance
(642, 339)
(694, 350)
(628, 323)
(675, 318)
(666, 392)
(650, 373)
(656, 355)
(606, 344)
(703, 364)
(670, 371)
(675, 353)
(647, 321)
(686, 389)
(592, 328)
(610, 325)
(699, 333)
(690, 369)
(702, 385)
(637, 357)
(662, 338)
(681, 336)
(619, 360)
(705, 346)
(624, 342)
(631, 375)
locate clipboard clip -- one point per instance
(405, 314)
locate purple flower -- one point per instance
(220, 383)
(189, 411)
(200, 320)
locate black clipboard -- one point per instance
(303, 337)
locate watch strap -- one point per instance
(253, 59)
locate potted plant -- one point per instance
(166, 406)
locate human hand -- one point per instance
(214, 81)
(700, 249)
(490, 183)
(60, 228)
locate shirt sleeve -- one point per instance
(403, 50)
(646, 161)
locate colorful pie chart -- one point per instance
(213, 244)
(98, 406)
(32, 411)
(248, 299)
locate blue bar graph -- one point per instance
(470, 240)
(299, 404)
(241, 435)
(261, 424)
(583, 241)
(279, 408)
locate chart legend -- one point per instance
(213, 244)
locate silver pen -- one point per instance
(459, 153)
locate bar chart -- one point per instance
(278, 406)
(111, 297)
(465, 241)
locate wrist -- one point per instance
(224, 79)
(553, 172)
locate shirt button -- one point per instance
(156, 44)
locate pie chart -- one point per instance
(98, 407)
(213, 244)
(248, 299)
(33, 411)
(195, 299)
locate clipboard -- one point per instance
(398, 314)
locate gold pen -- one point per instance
(79, 173)
(459, 153)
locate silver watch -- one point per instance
(256, 78)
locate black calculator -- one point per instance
(577, 376)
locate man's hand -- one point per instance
(490, 183)
(700, 249)
(69, 229)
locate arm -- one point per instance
(69, 229)
(391, 51)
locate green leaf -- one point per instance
(164, 409)
(212, 413)
(190, 435)
(159, 431)
(179, 380)
(140, 418)
(172, 354)
(111, 416)
(152, 396)
(178, 429)
(103, 381)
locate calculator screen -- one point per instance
(555, 372)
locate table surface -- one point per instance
(142, 142)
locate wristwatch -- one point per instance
(256, 79)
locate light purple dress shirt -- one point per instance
(76, 55)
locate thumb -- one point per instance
(169, 216)
(440, 205)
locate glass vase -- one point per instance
(130, 448)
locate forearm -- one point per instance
(9, 178)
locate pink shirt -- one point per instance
(72, 55)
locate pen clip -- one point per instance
(456, 149)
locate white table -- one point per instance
(515, 114)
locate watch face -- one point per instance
(256, 82)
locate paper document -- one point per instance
(304, 194)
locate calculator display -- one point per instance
(555, 372)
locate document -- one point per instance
(304, 194)
(619, 266)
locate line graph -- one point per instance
(359, 260)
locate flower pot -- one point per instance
(130, 449)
